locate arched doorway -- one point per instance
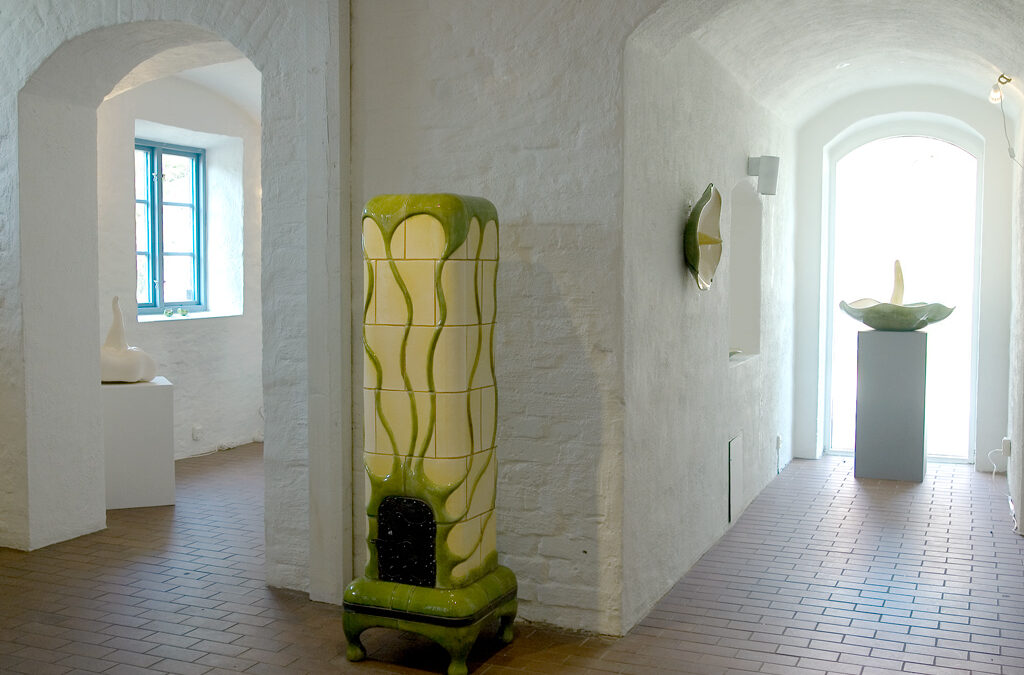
(53, 444)
(57, 134)
(911, 198)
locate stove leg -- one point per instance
(353, 627)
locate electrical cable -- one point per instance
(1006, 132)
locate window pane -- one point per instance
(179, 229)
(143, 282)
(141, 227)
(141, 174)
(179, 278)
(177, 178)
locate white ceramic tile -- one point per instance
(379, 465)
(449, 472)
(489, 543)
(457, 283)
(487, 280)
(482, 497)
(474, 409)
(452, 434)
(488, 419)
(386, 344)
(373, 241)
(451, 370)
(445, 471)
(483, 376)
(464, 537)
(396, 408)
(369, 421)
(424, 238)
(416, 352)
(398, 242)
(418, 277)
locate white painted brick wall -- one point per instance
(521, 103)
(1015, 463)
(282, 39)
(688, 123)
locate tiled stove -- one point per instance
(430, 405)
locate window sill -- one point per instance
(156, 318)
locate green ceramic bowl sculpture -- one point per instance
(894, 315)
(702, 238)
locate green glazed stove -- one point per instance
(430, 418)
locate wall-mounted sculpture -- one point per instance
(430, 403)
(702, 237)
(894, 315)
(118, 361)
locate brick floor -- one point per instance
(822, 574)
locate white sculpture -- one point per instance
(894, 315)
(118, 361)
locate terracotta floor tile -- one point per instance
(822, 574)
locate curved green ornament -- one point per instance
(702, 238)
(890, 317)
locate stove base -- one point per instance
(451, 617)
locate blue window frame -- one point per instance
(170, 232)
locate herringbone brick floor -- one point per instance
(822, 574)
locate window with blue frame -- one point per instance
(169, 227)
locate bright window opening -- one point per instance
(221, 241)
(169, 233)
(914, 199)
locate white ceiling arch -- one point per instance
(799, 56)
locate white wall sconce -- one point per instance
(766, 168)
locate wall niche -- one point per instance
(745, 272)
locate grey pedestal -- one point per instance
(890, 405)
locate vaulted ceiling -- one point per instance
(799, 56)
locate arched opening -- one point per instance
(884, 207)
(969, 122)
(52, 464)
(206, 338)
(58, 200)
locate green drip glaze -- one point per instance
(454, 212)
(494, 377)
(405, 342)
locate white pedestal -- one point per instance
(138, 429)
(890, 405)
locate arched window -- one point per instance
(911, 194)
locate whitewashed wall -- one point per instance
(50, 435)
(521, 103)
(1015, 463)
(689, 123)
(214, 363)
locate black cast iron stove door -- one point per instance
(406, 541)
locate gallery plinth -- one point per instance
(138, 431)
(890, 405)
(430, 425)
